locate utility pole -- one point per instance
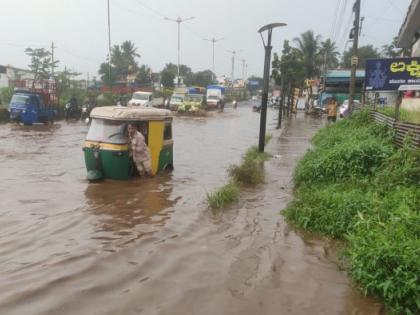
(52, 59)
(354, 58)
(214, 41)
(243, 69)
(109, 48)
(232, 72)
(179, 21)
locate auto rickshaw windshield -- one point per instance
(108, 131)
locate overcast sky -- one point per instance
(79, 29)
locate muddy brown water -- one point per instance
(153, 247)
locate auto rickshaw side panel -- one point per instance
(113, 160)
(166, 156)
(155, 143)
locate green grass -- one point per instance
(411, 116)
(354, 185)
(223, 196)
(249, 173)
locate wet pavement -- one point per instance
(153, 247)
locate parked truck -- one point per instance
(34, 101)
(215, 97)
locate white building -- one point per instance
(9, 74)
(409, 37)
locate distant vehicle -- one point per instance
(34, 101)
(176, 101)
(192, 103)
(86, 109)
(140, 98)
(344, 108)
(215, 97)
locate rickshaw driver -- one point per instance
(139, 150)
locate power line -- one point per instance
(150, 9)
(341, 17)
(395, 7)
(337, 8)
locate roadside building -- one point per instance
(336, 83)
(9, 74)
(409, 38)
(409, 35)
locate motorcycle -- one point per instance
(70, 111)
(86, 109)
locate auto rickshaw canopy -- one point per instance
(130, 113)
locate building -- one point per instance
(9, 74)
(409, 38)
(337, 82)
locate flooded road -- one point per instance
(153, 247)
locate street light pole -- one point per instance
(213, 40)
(179, 21)
(267, 59)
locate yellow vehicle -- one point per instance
(106, 148)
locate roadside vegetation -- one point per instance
(410, 116)
(357, 187)
(249, 173)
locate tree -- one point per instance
(144, 76)
(289, 67)
(107, 73)
(167, 78)
(203, 78)
(363, 52)
(391, 51)
(123, 63)
(41, 62)
(255, 83)
(171, 70)
(307, 48)
(328, 54)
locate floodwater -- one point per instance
(153, 246)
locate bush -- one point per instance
(355, 185)
(250, 172)
(223, 196)
(349, 149)
(385, 259)
(331, 210)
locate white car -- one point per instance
(344, 108)
(141, 99)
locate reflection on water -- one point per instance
(125, 205)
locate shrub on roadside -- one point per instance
(355, 185)
(385, 259)
(223, 196)
(249, 173)
(331, 209)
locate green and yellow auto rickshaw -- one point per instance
(106, 148)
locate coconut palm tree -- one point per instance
(307, 48)
(328, 54)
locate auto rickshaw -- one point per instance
(106, 147)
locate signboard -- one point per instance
(392, 74)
